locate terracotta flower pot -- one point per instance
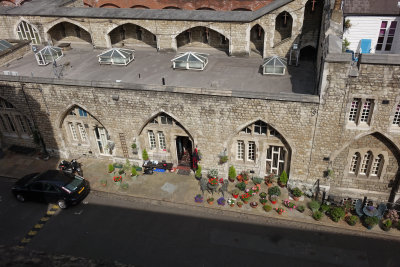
(232, 205)
(235, 196)
(246, 181)
(296, 198)
(245, 201)
(210, 202)
(280, 213)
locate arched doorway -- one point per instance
(308, 53)
(84, 134)
(164, 138)
(68, 32)
(202, 37)
(260, 147)
(131, 35)
(257, 40)
(283, 27)
(369, 167)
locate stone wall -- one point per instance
(19, 49)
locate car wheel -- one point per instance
(20, 197)
(62, 204)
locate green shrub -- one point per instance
(241, 186)
(317, 215)
(127, 165)
(121, 172)
(110, 168)
(283, 178)
(387, 223)
(324, 207)
(133, 171)
(213, 173)
(371, 221)
(232, 173)
(297, 192)
(223, 159)
(145, 156)
(352, 220)
(235, 191)
(198, 171)
(133, 146)
(267, 208)
(274, 191)
(263, 195)
(263, 201)
(257, 180)
(300, 208)
(314, 205)
(336, 213)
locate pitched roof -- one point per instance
(371, 7)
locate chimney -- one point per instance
(338, 4)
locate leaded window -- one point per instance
(354, 163)
(396, 119)
(240, 150)
(376, 165)
(365, 163)
(152, 140)
(10, 122)
(251, 151)
(3, 124)
(82, 132)
(73, 131)
(21, 123)
(82, 112)
(161, 140)
(354, 109)
(366, 111)
(260, 127)
(26, 31)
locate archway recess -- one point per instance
(69, 32)
(257, 36)
(131, 35)
(283, 27)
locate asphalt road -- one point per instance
(154, 233)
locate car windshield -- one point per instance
(75, 183)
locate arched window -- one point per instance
(396, 119)
(365, 164)
(12, 122)
(26, 31)
(377, 165)
(283, 27)
(355, 160)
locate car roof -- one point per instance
(55, 177)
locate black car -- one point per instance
(52, 186)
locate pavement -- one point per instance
(172, 188)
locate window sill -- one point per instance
(361, 126)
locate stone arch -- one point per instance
(109, 5)
(36, 40)
(131, 34)
(83, 132)
(87, 5)
(382, 187)
(140, 7)
(205, 8)
(165, 138)
(69, 30)
(257, 39)
(171, 7)
(284, 23)
(308, 53)
(265, 144)
(202, 36)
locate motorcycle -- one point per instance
(72, 166)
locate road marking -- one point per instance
(35, 229)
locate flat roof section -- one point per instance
(240, 75)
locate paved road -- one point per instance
(154, 233)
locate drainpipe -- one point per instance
(41, 141)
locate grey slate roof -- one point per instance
(371, 7)
(55, 8)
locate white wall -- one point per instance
(367, 27)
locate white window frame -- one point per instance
(240, 150)
(27, 31)
(251, 151)
(82, 132)
(376, 165)
(72, 129)
(152, 140)
(354, 163)
(366, 111)
(261, 126)
(366, 161)
(355, 106)
(161, 141)
(278, 151)
(361, 111)
(396, 118)
(386, 35)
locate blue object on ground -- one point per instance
(358, 207)
(381, 210)
(365, 46)
(159, 170)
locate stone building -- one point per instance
(325, 115)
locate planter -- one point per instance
(240, 205)
(280, 212)
(117, 183)
(296, 198)
(232, 205)
(231, 180)
(254, 204)
(246, 181)
(210, 202)
(245, 201)
(235, 196)
(274, 201)
(281, 185)
(103, 183)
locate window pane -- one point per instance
(240, 150)
(384, 24)
(161, 140)
(152, 140)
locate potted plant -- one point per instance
(239, 178)
(263, 201)
(289, 204)
(246, 179)
(134, 148)
(273, 199)
(231, 202)
(240, 204)
(386, 224)
(223, 159)
(241, 186)
(133, 172)
(280, 210)
(110, 168)
(235, 193)
(198, 198)
(336, 213)
(268, 181)
(198, 175)
(324, 207)
(103, 182)
(263, 195)
(317, 215)
(245, 197)
(232, 174)
(267, 208)
(283, 178)
(253, 204)
(117, 179)
(392, 215)
(314, 205)
(352, 220)
(210, 200)
(275, 190)
(212, 183)
(347, 24)
(257, 180)
(297, 193)
(145, 156)
(213, 173)
(370, 222)
(221, 201)
(300, 208)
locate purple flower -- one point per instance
(221, 201)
